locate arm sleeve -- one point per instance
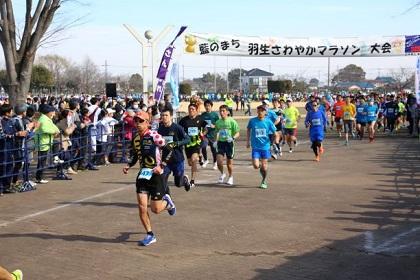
(132, 160)
(184, 139)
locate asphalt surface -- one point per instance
(354, 215)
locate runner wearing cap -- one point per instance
(316, 120)
(259, 130)
(147, 148)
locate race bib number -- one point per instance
(193, 131)
(145, 173)
(338, 108)
(360, 110)
(316, 122)
(208, 123)
(391, 110)
(347, 115)
(371, 114)
(154, 126)
(168, 139)
(224, 133)
(260, 132)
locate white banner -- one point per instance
(229, 45)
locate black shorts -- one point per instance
(153, 187)
(226, 148)
(192, 150)
(290, 131)
(338, 120)
(348, 126)
(361, 123)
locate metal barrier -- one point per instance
(17, 155)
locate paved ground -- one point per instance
(354, 215)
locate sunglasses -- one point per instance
(139, 121)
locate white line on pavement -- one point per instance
(62, 206)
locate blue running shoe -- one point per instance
(171, 205)
(149, 239)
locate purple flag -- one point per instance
(164, 65)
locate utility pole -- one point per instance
(183, 72)
(328, 75)
(240, 75)
(106, 71)
(214, 74)
(227, 74)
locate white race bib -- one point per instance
(224, 133)
(316, 122)
(260, 132)
(193, 131)
(168, 139)
(145, 173)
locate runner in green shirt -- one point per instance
(291, 117)
(227, 130)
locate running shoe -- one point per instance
(215, 166)
(192, 184)
(42, 181)
(291, 150)
(149, 239)
(171, 205)
(205, 163)
(222, 178)
(263, 185)
(17, 274)
(230, 181)
(274, 155)
(186, 183)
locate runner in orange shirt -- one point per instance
(338, 113)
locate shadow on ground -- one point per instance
(392, 250)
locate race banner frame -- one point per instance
(206, 44)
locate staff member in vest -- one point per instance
(147, 148)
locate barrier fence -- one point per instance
(25, 159)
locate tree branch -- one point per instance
(27, 29)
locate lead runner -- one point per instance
(147, 148)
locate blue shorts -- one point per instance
(261, 154)
(177, 168)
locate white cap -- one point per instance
(266, 102)
(110, 111)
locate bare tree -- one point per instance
(404, 78)
(92, 80)
(20, 46)
(57, 66)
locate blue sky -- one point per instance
(102, 36)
